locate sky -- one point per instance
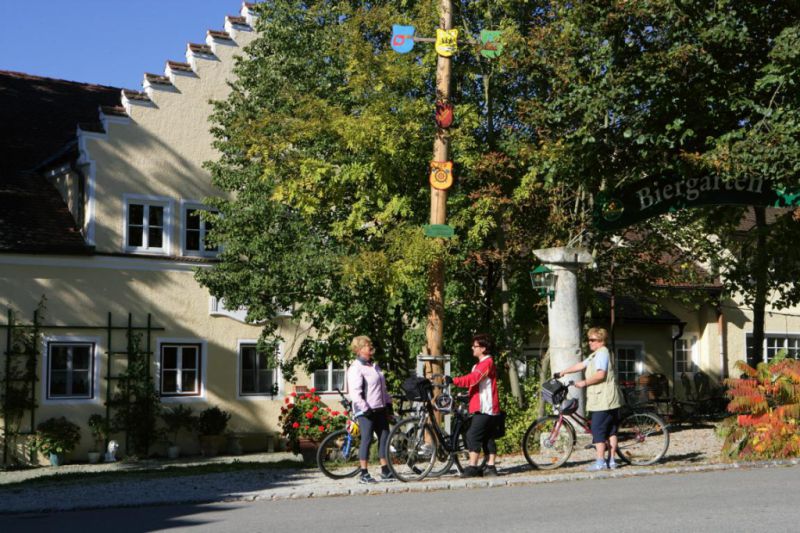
(108, 42)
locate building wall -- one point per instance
(82, 291)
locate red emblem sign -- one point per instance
(444, 114)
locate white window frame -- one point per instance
(639, 367)
(329, 369)
(146, 200)
(216, 307)
(94, 373)
(693, 355)
(177, 398)
(278, 375)
(783, 335)
(202, 252)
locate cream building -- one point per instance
(101, 196)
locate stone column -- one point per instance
(563, 319)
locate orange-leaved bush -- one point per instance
(306, 416)
(767, 402)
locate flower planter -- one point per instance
(308, 449)
(210, 445)
(234, 445)
(173, 452)
(94, 457)
(56, 459)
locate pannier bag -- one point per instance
(417, 389)
(554, 392)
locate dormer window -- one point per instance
(147, 224)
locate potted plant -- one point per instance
(305, 421)
(176, 419)
(56, 437)
(211, 424)
(99, 427)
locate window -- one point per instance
(684, 358)
(258, 373)
(180, 369)
(775, 343)
(329, 379)
(627, 367)
(70, 370)
(147, 224)
(195, 231)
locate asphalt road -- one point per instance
(758, 499)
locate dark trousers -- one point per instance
(376, 423)
(480, 435)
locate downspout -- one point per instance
(681, 326)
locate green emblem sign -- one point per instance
(491, 46)
(438, 230)
(656, 196)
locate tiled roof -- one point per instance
(135, 95)
(237, 20)
(40, 117)
(157, 79)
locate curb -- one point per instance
(316, 490)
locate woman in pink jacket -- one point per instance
(484, 404)
(372, 406)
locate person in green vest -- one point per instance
(603, 398)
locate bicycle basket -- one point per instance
(554, 392)
(417, 389)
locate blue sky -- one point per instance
(110, 42)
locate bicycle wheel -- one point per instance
(337, 456)
(546, 448)
(444, 462)
(411, 450)
(643, 439)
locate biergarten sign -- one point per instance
(652, 197)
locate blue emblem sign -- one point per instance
(402, 38)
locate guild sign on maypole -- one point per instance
(442, 175)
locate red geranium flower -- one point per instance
(313, 389)
(335, 413)
(315, 408)
(290, 406)
(322, 428)
(296, 425)
(286, 400)
(293, 394)
(316, 398)
(309, 415)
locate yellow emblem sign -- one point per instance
(441, 175)
(446, 42)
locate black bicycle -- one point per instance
(337, 456)
(417, 442)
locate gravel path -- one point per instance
(690, 449)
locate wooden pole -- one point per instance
(441, 152)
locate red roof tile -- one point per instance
(222, 35)
(157, 79)
(200, 49)
(115, 110)
(237, 20)
(135, 95)
(177, 65)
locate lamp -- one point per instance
(544, 280)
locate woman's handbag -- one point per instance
(499, 425)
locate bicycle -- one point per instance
(643, 437)
(337, 456)
(416, 442)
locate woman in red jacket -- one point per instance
(484, 404)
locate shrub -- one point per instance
(100, 429)
(307, 417)
(767, 400)
(56, 435)
(518, 418)
(212, 421)
(178, 418)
